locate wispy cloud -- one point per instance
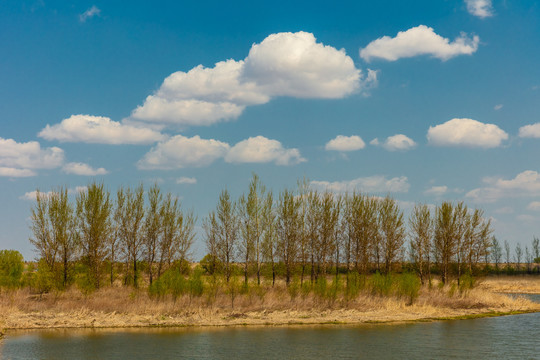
(479, 8)
(90, 13)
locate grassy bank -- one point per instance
(526, 284)
(116, 307)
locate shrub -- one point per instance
(320, 287)
(381, 284)
(44, 278)
(294, 288)
(196, 287)
(11, 268)
(466, 283)
(409, 286)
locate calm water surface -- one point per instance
(508, 337)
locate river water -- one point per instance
(507, 337)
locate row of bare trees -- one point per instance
(317, 232)
(305, 232)
(96, 230)
(502, 254)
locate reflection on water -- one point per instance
(494, 338)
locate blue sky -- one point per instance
(199, 95)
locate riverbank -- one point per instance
(121, 307)
(526, 284)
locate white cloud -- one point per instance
(345, 143)
(467, 133)
(78, 168)
(90, 13)
(530, 131)
(31, 195)
(19, 159)
(180, 151)
(525, 184)
(534, 206)
(437, 190)
(526, 218)
(420, 40)
(186, 180)
(504, 210)
(480, 8)
(283, 64)
(398, 142)
(98, 130)
(370, 184)
(498, 107)
(13, 172)
(262, 150)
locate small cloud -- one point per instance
(259, 149)
(527, 218)
(180, 152)
(420, 40)
(534, 206)
(466, 133)
(186, 180)
(530, 131)
(498, 107)
(504, 210)
(345, 143)
(90, 13)
(83, 169)
(436, 190)
(371, 184)
(20, 159)
(525, 184)
(98, 130)
(31, 195)
(479, 8)
(398, 142)
(13, 172)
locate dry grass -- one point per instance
(124, 307)
(526, 284)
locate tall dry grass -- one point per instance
(121, 306)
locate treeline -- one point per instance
(315, 233)
(98, 232)
(303, 234)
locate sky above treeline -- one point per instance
(424, 100)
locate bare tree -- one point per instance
(445, 238)
(153, 228)
(270, 243)
(288, 230)
(421, 227)
(65, 237)
(519, 256)
(222, 231)
(392, 231)
(43, 239)
(177, 232)
(496, 252)
(507, 254)
(251, 228)
(94, 225)
(129, 217)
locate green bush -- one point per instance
(409, 286)
(172, 282)
(44, 278)
(321, 286)
(381, 285)
(11, 268)
(294, 288)
(196, 286)
(466, 283)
